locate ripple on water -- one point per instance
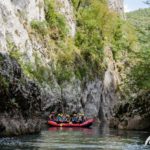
(9, 141)
(80, 139)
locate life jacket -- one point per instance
(74, 119)
(59, 118)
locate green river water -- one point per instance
(95, 138)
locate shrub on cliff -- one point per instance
(40, 26)
(97, 27)
(55, 20)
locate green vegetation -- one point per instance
(140, 73)
(35, 71)
(4, 83)
(98, 27)
(14, 52)
(40, 26)
(55, 24)
(81, 56)
(1, 58)
(56, 21)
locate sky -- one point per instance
(131, 5)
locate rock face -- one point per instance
(14, 17)
(95, 98)
(133, 116)
(20, 100)
(91, 98)
(118, 6)
(65, 8)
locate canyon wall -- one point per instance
(24, 100)
(117, 6)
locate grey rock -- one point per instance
(118, 6)
(133, 115)
(20, 99)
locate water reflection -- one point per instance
(87, 131)
(78, 138)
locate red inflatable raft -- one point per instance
(87, 123)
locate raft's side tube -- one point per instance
(85, 124)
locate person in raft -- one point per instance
(52, 116)
(68, 118)
(81, 118)
(64, 118)
(59, 118)
(74, 119)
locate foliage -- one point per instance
(65, 60)
(82, 56)
(55, 24)
(33, 70)
(40, 26)
(16, 54)
(4, 83)
(97, 27)
(37, 70)
(55, 20)
(140, 72)
(1, 58)
(14, 51)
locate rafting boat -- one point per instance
(87, 123)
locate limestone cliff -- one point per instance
(66, 9)
(14, 17)
(27, 97)
(20, 100)
(118, 6)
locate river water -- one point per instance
(95, 138)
